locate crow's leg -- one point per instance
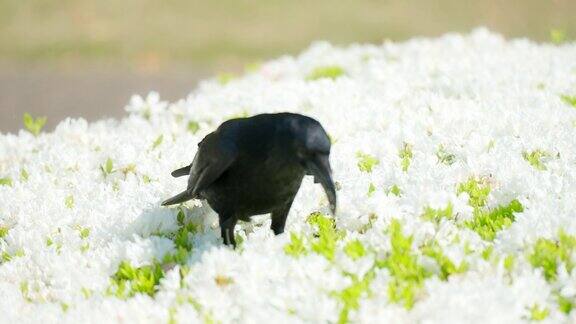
(279, 218)
(227, 225)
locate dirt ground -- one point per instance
(91, 95)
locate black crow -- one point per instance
(252, 166)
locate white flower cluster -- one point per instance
(456, 167)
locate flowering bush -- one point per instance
(456, 167)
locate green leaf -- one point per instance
(447, 267)
(509, 263)
(108, 167)
(130, 168)
(395, 190)
(6, 182)
(565, 304)
(406, 156)
(84, 233)
(296, 247)
(158, 141)
(129, 281)
(366, 162)
(549, 254)
(69, 201)
(34, 126)
(332, 72)
(487, 252)
(445, 157)
(3, 231)
(350, 296)
(571, 100)
(355, 249)
(24, 175)
(327, 236)
(488, 222)
(252, 67)
(371, 189)
(477, 191)
(193, 126)
(87, 293)
(225, 78)
(557, 36)
(407, 273)
(436, 215)
(535, 159)
(537, 313)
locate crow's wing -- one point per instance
(215, 155)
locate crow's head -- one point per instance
(313, 151)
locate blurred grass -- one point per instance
(153, 34)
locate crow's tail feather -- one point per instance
(179, 198)
(181, 172)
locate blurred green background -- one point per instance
(86, 57)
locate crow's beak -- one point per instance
(319, 167)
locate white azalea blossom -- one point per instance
(412, 124)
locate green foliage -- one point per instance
(509, 263)
(557, 36)
(436, 215)
(157, 141)
(24, 175)
(535, 158)
(371, 219)
(445, 157)
(350, 296)
(395, 190)
(371, 189)
(181, 237)
(565, 304)
(537, 313)
(477, 191)
(4, 231)
(406, 156)
(129, 281)
(6, 257)
(84, 232)
(87, 293)
(108, 167)
(488, 222)
(130, 168)
(447, 267)
(296, 247)
(223, 281)
(407, 274)
(25, 290)
(326, 72)
(487, 253)
(193, 126)
(225, 78)
(6, 182)
(355, 249)
(69, 202)
(34, 126)
(548, 254)
(146, 178)
(252, 67)
(571, 100)
(366, 162)
(327, 235)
